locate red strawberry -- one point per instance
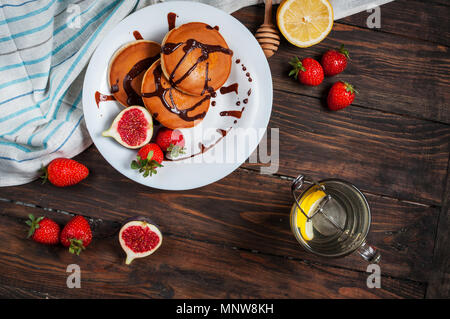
(308, 71)
(63, 172)
(43, 230)
(334, 62)
(76, 235)
(149, 158)
(340, 96)
(171, 141)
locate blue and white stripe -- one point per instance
(42, 57)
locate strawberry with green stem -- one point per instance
(149, 158)
(43, 230)
(307, 71)
(76, 235)
(171, 142)
(341, 95)
(335, 61)
(64, 172)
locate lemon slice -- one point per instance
(308, 204)
(305, 22)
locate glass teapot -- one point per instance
(331, 218)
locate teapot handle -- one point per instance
(296, 185)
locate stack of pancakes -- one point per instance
(176, 80)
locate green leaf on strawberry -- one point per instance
(76, 246)
(175, 150)
(344, 51)
(146, 166)
(350, 88)
(44, 175)
(33, 223)
(297, 67)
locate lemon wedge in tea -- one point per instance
(308, 205)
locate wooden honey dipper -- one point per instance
(267, 34)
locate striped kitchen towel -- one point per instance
(45, 46)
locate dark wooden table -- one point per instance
(232, 238)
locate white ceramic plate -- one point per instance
(243, 136)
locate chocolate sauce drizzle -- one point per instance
(212, 28)
(137, 35)
(204, 148)
(231, 88)
(99, 97)
(222, 132)
(115, 87)
(162, 94)
(189, 46)
(206, 87)
(133, 97)
(236, 114)
(171, 19)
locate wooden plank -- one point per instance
(8, 292)
(379, 152)
(245, 210)
(443, 2)
(410, 18)
(392, 73)
(439, 284)
(181, 268)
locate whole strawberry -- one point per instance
(64, 172)
(308, 71)
(340, 96)
(171, 141)
(335, 61)
(43, 230)
(76, 235)
(149, 158)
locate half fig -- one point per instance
(139, 237)
(132, 127)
